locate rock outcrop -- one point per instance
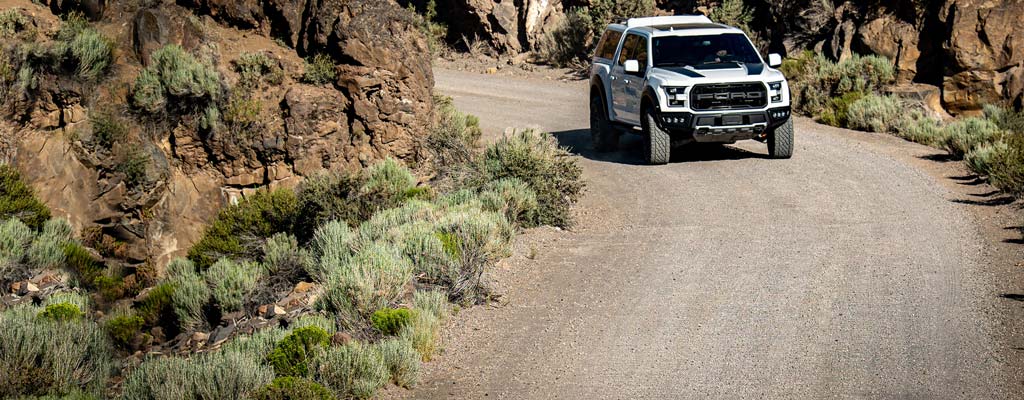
(378, 105)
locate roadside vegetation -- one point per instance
(388, 256)
(850, 94)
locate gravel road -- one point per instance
(845, 272)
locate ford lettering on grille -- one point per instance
(731, 96)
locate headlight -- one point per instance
(777, 88)
(676, 95)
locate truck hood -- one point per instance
(727, 73)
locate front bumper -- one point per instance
(722, 127)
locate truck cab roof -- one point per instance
(679, 25)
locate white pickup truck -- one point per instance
(684, 79)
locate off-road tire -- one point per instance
(657, 142)
(780, 140)
(603, 135)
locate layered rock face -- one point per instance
(378, 105)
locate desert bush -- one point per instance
(292, 388)
(17, 200)
(238, 230)
(875, 113)
(963, 135)
(134, 160)
(253, 68)
(374, 278)
(836, 110)
(733, 13)
(12, 22)
(919, 128)
(123, 327)
(291, 355)
(816, 80)
(191, 292)
(39, 356)
(320, 69)
(537, 160)
(331, 247)
(389, 177)
(77, 299)
(315, 320)
(217, 375)
(571, 43)
(158, 304)
(980, 158)
(93, 53)
(241, 113)
(230, 282)
(61, 312)
(432, 302)
(1007, 119)
(385, 224)
(176, 75)
(15, 238)
(328, 196)
(257, 345)
(354, 370)
(513, 198)
(79, 261)
(107, 129)
(1006, 170)
(454, 141)
(390, 321)
(401, 360)
(47, 250)
(435, 32)
(283, 257)
(474, 239)
(422, 333)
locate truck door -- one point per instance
(634, 83)
(620, 79)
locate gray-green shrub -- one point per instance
(191, 292)
(401, 360)
(331, 247)
(93, 53)
(253, 68)
(536, 159)
(216, 375)
(230, 282)
(570, 44)
(176, 75)
(374, 278)
(815, 80)
(47, 250)
(320, 69)
(354, 370)
(282, 257)
(963, 135)
(513, 198)
(980, 159)
(12, 21)
(44, 357)
(876, 113)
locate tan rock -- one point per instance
(303, 287)
(200, 337)
(27, 288)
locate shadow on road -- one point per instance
(578, 142)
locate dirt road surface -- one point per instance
(860, 268)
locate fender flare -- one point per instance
(597, 85)
(649, 99)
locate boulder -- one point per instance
(893, 38)
(507, 26)
(985, 53)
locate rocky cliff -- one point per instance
(149, 165)
(971, 50)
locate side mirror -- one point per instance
(774, 60)
(631, 66)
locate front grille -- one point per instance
(729, 96)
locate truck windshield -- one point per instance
(703, 52)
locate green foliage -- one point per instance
(571, 43)
(1007, 119)
(1006, 170)
(331, 247)
(15, 238)
(157, 303)
(432, 302)
(17, 200)
(92, 52)
(875, 113)
(47, 250)
(836, 113)
(329, 196)
(253, 68)
(389, 177)
(980, 159)
(237, 229)
(373, 278)
(123, 328)
(513, 198)
(216, 375)
(190, 293)
(483, 237)
(401, 360)
(12, 21)
(176, 77)
(292, 388)
(77, 299)
(815, 80)
(109, 287)
(320, 69)
(351, 371)
(733, 13)
(283, 258)
(963, 135)
(455, 142)
(39, 356)
(231, 282)
(390, 321)
(62, 312)
(81, 262)
(918, 128)
(257, 345)
(242, 111)
(133, 164)
(537, 160)
(107, 129)
(291, 355)
(422, 333)
(450, 243)
(315, 320)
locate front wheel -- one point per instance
(657, 142)
(602, 134)
(780, 140)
